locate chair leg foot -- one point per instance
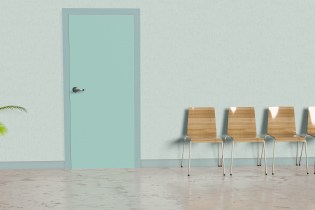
(188, 174)
(273, 173)
(265, 173)
(230, 174)
(307, 173)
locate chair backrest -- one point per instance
(241, 122)
(311, 121)
(281, 121)
(201, 122)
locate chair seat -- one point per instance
(206, 140)
(253, 139)
(294, 138)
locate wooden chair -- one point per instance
(242, 128)
(201, 128)
(281, 127)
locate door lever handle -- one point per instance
(76, 89)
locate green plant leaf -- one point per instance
(3, 129)
(13, 107)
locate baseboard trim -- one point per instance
(162, 163)
(32, 165)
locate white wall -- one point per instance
(193, 53)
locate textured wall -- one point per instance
(193, 53)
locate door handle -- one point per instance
(76, 89)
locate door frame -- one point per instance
(66, 12)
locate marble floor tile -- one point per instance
(157, 188)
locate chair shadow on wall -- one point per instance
(264, 124)
(264, 128)
(303, 128)
(178, 142)
(225, 123)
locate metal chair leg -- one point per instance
(222, 159)
(264, 146)
(262, 150)
(189, 158)
(273, 162)
(184, 142)
(219, 161)
(258, 156)
(301, 154)
(232, 158)
(297, 153)
(306, 157)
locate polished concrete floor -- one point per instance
(157, 188)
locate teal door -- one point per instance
(102, 61)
